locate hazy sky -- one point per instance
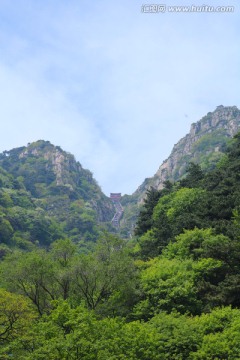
(113, 85)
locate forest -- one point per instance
(171, 292)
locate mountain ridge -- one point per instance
(203, 145)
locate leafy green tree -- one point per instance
(175, 284)
(218, 287)
(16, 318)
(105, 278)
(30, 274)
(200, 243)
(16, 315)
(63, 253)
(183, 208)
(166, 285)
(176, 336)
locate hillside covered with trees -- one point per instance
(45, 194)
(171, 292)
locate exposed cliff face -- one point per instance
(205, 137)
(66, 169)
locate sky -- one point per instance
(111, 82)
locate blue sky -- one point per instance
(112, 85)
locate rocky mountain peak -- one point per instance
(61, 163)
(206, 136)
(227, 117)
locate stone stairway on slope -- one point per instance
(116, 197)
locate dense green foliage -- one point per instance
(170, 293)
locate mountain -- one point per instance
(172, 294)
(45, 194)
(203, 145)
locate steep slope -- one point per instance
(202, 145)
(44, 179)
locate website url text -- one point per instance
(162, 8)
